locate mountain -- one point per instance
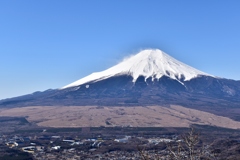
(150, 77)
(152, 64)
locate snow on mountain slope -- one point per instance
(148, 63)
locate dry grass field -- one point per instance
(93, 116)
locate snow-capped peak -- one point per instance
(151, 63)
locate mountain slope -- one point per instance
(147, 63)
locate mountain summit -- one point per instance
(151, 63)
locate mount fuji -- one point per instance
(152, 64)
(149, 78)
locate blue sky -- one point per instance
(49, 44)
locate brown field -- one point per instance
(93, 116)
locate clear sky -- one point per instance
(51, 43)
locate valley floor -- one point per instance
(138, 116)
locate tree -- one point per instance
(188, 148)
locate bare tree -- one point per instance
(188, 148)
